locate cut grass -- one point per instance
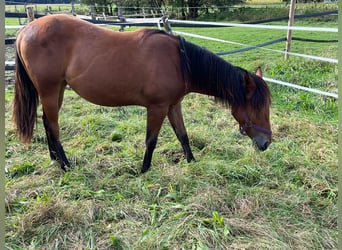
(232, 197)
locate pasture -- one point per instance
(232, 197)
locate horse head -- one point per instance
(253, 117)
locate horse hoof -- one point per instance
(144, 169)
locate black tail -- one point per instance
(25, 102)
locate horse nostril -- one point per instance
(262, 146)
(265, 146)
(261, 143)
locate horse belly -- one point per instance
(128, 91)
(108, 94)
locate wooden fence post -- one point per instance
(73, 12)
(121, 19)
(30, 13)
(48, 10)
(92, 12)
(289, 31)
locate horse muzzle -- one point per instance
(261, 142)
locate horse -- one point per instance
(147, 67)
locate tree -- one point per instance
(100, 6)
(189, 8)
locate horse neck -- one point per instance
(211, 75)
(208, 90)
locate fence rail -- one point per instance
(324, 59)
(257, 26)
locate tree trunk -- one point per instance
(193, 8)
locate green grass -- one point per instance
(264, 10)
(232, 197)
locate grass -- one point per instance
(232, 197)
(259, 10)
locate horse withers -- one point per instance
(149, 68)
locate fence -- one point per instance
(261, 46)
(179, 23)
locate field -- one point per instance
(232, 197)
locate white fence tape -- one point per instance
(324, 59)
(13, 26)
(301, 87)
(223, 24)
(9, 63)
(259, 26)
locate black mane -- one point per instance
(215, 76)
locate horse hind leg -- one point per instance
(55, 147)
(176, 119)
(50, 121)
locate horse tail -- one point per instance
(25, 102)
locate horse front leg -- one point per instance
(155, 118)
(176, 119)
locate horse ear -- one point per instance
(249, 84)
(258, 72)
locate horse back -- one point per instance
(103, 66)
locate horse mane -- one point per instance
(217, 77)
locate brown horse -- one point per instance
(148, 68)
